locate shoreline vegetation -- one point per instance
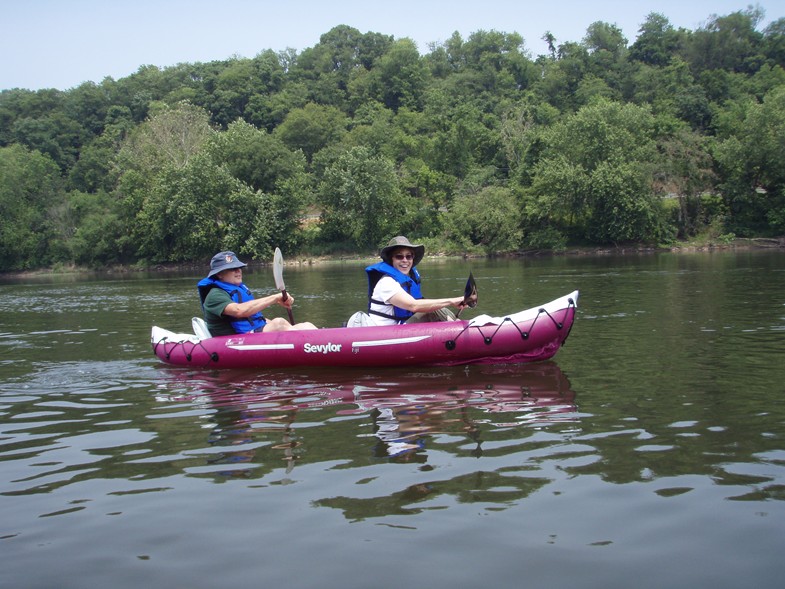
(668, 141)
(305, 259)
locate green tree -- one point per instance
(30, 189)
(312, 128)
(371, 126)
(96, 170)
(607, 57)
(55, 134)
(728, 42)
(604, 37)
(657, 41)
(766, 79)
(412, 135)
(166, 142)
(560, 78)
(256, 157)
(189, 213)
(329, 66)
(520, 132)
(171, 137)
(500, 59)
(774, 42)
(90, 226)
(262, 162)
(20, 104)
(242, 80)
(361, 199)
(751, 165)
(269, 110)
(594, 179)
(400, 77)
(489, 220)
(683, 175)
(88, 104)
(673, 91)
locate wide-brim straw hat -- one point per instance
(401, 241)
(224, 261)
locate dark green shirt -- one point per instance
(214, 304)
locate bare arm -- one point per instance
(404, 300)
(247, 309)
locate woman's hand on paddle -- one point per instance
(458, 302)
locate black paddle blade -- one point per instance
(469, 295)
(470, 292)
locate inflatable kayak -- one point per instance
(527, 336)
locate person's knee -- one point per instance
(277, 324)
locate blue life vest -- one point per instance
(410, 284)
(238, 294)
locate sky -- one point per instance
(63, 43)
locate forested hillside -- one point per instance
(475, 146)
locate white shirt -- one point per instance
(385, 289)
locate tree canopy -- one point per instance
(475, 145)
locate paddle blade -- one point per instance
(470, 292)
(278, 277)
(469, 295)
(278, 270)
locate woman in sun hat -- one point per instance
(394, 294)
(228, 305)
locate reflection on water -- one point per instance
(267, 427)
(401, 411)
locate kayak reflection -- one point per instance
(255, 415)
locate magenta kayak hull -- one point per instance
(528, 336)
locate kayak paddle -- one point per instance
(469, 295)
(279, 284)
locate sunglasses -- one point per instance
(403, 256)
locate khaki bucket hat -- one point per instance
(401, 241)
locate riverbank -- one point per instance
(309, 260)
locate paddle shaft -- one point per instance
(288, 309)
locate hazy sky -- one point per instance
(62, 43)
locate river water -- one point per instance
(650, 452)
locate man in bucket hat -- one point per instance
(394, 294)
(228, 305)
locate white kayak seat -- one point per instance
(200, 328)
(360, 319)
(160, 336)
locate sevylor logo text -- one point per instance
(321, 348)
